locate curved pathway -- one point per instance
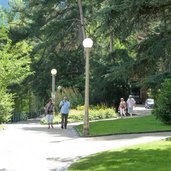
(29, 146)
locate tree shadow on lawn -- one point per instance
(128, 160)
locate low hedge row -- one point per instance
(78, 115)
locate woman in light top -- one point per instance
(49, 113)
(122, 107)
(130, 104)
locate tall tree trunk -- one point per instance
(82, 20)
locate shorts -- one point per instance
(130, 109)
(49, 118)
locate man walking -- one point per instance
(65, 106)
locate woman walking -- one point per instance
(122, 107)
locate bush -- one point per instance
(56, 120)
(95, 113)
(163, 103)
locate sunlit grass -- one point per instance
(129, 125)
(146, 157)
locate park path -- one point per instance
(29, 146)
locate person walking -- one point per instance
(49, 113)
(130, 104)
(122, 107)
(65, 107)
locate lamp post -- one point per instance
(53, 72)
(87, 43)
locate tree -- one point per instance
(163, 103)
(53, 28)
(14, 67)
(150, 22)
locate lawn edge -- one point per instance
(102, 135)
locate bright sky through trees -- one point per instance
(4, 3)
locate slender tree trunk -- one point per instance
(82, 20)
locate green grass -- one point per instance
(129, 125)
(147, 157)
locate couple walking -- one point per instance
(129, 104)
(64, 110)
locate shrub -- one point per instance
(78, 115)
(163, 103)
(56, 120)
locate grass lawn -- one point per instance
(128, 125)
(147, 157)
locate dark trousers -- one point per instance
(64, 120)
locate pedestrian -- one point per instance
(130, 104)
(65, 107)
(49, 113)
(122, 107)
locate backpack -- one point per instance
(50, 108)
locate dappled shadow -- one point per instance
(129, 159)
(70, 132)
(66, 161)
(55, 132)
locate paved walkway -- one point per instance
(29, 146)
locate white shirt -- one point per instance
(130, 102)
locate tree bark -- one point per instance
(82, 20)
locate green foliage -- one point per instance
(102, 114)
(14, 68)
(149, 23)
(77, 115)
(6, 106)
(22, 116)
(163, 103)
(73, 95)
(140, 31)
(14, 60)
(19, 116)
